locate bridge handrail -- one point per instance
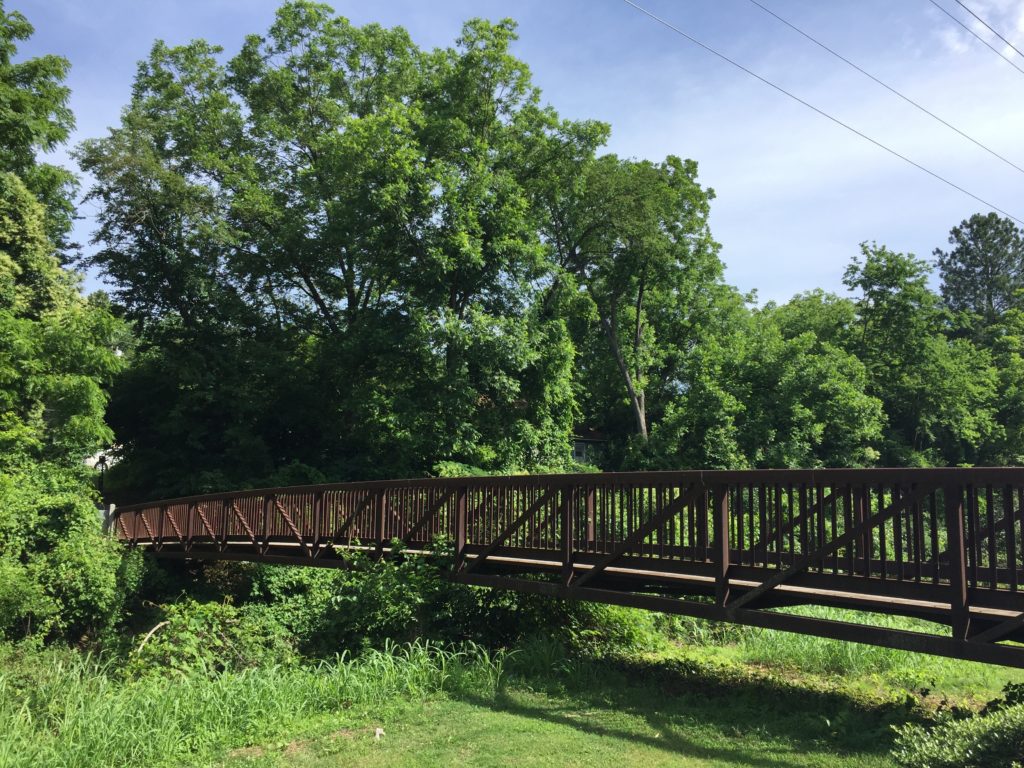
(883, 475)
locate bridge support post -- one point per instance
(961, 617)
(720, 549)
(565, 512)
(460, 529)
(591, 527)
(317, 533)
(380, 511)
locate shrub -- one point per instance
(209, 638)
(59, 575)
(994, 740)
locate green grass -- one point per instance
(675, 692)
(61, 709)
(860, 666)
(529, 729)
(639, 713)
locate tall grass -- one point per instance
(70, 711)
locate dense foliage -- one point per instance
(345, 256)
(993, 738)
(59, 576)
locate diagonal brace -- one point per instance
(291, 526)
(428, 516)
(767, 538)
(999, 631)
(511, 528)
(833, 546)
(248, 530)
(656, 521)
(360, 508)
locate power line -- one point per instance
(989, 27)
(886, 86)
(821, 112)
(995, 50)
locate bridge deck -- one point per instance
(943, 545)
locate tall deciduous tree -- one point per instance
(939, 394)
(34, 117)
(633, 238)
(358, 216)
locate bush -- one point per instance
(59, 575)
(210, 638)
(994, 740)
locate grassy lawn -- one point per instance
(533, 729)
(666, 712)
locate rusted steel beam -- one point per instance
(245, 525)
(360, 508)
(989, 653)
(721, 544)
(954, 503)
(200, 509)
(1000, 631)
(792, 524)
(565, 512)
(291, 525)
(173, 522)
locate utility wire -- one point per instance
(989, 27)
(888, 87)
(995, 50)
(821, 112)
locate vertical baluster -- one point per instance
(973, 550)
(933, 519)
(897, 534)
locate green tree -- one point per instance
(343, 228)
(34, 117)
(773, 395)
(939, 394)
(58, 352)
(632, 247)
(983, 273)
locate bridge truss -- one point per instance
(942, 545)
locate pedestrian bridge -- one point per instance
(942, 545)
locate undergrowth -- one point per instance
(71, 710)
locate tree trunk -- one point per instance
(636, 398)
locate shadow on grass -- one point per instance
(679, 702)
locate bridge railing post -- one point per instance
(955, 545)
(380, 512)
(459, 534)
(720, 549)
(317, 533)
(565, 509)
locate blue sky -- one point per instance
(796, 194)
